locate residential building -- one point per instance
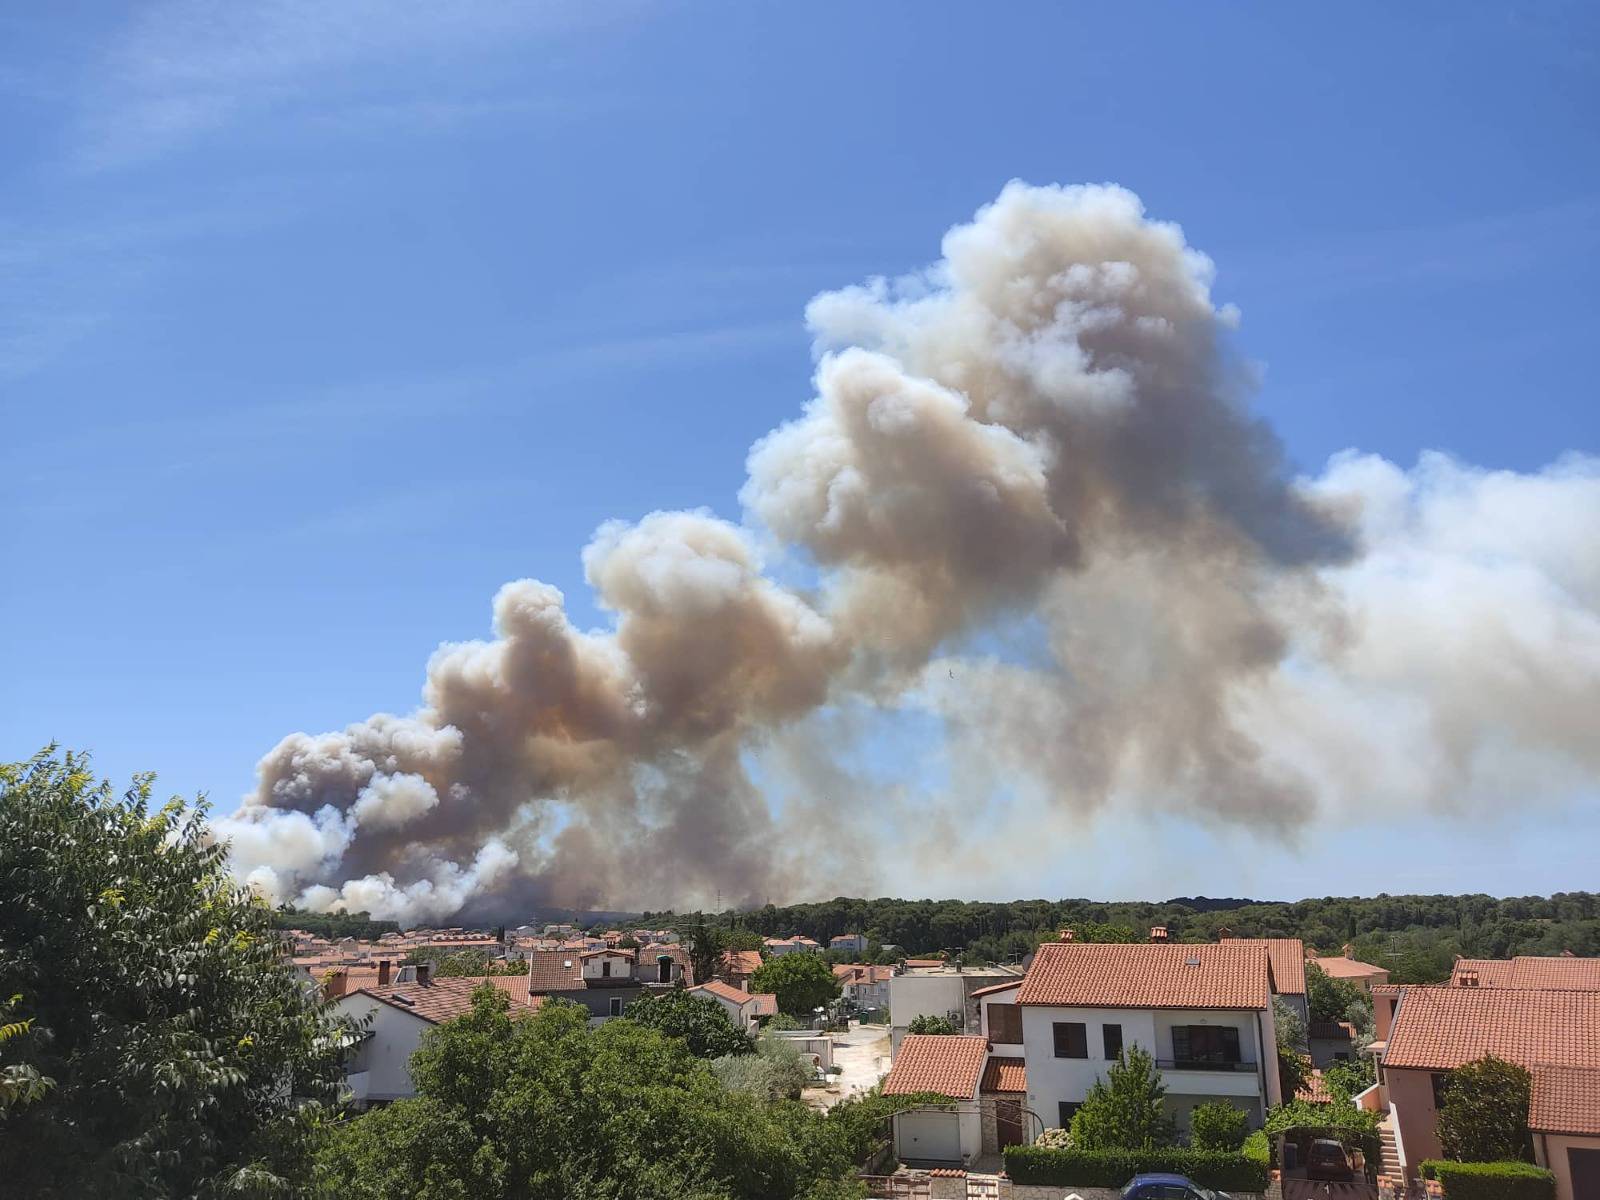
(1288, 957)
(606, 981)
(1351, 970)
(738, 966)
(940, 990)
(1427, 1032)
(1564, 972)
(953, 1066)
(744, 1009)
(849, 943)
(1330, 1042)
(1203, 1012)
(398, 1014)
(864, 984)
(799, 944)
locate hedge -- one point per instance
(1490, 1181)
(1113, 1168)
(1258, 1147)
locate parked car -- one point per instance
(1168, 1187)
(1327, 1159)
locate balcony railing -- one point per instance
(1196, 1064)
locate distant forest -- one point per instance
(1416, 938)
(334, 925)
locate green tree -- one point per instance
(740, 938)
(801, 982)
(1349, 1077)
(1330, 999)
(153, 995)
(1218, 1126)
(1484, 1117)
(1123, 1110)
(704, 945)
(927, 1024)
(776, 1071)
(700, 1021)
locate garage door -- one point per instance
(930, 1136)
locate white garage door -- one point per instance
(930, 1136)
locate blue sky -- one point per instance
(321, 321)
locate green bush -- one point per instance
(1217, 1126)
(1491, 1181)
(1258, 1148)
(1113, 1168)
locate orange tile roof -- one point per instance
(554, 971)
(933, 1062)
(1314, 1089)
(1439, 1028)
(1565, 1100)
(999, 987)
(925, 962)
(766, 1003)
(1337, 966)
(741, 962)
(1288, 961)
(1150, 975)
(1004, 1075)
(441, 1000)
(1529, 971)
(722, 991)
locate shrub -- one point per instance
(1217, 1126)
(1113, 1168)
(1258, 1148)
(1484, 1117)
(1123, 1111)
(1491, 1181)
(927, 1024)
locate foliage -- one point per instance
(1329, 999)
(333, 926)
(1350, 1077)
(700, 1021)
(1055, 1139)
(740, 938)
(1123, 1111)
(1290, 1029)
(801, 982)
(548, 1107)
(470, 962)
(152, 993)
(1293, 1071)
(1415, 938)
(704, 945)
(1217, 1126)
(1337, 1117)
(776, 1071)
(1258, 1148)
(1080, 1168)
(784, 1021)
(1484, 1117)
(1491, 1180)
(932, 1024)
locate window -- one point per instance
(1072, 1039)
(1067, 1108)
(605, 967)
(1112, 1035)
(616, 1006)
(1005, 1023)
(1205, 1044)
(1441, 1087)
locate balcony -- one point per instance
(1197, 1064)
(1193, 1077)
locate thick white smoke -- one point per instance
(1047, 430)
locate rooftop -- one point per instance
(1439, 1028)
(441, 1000)
(949, 1064)
(1565, 1100)
(1337, 966)
(1288, 961)
(1004, 1075)
(1152, 975)
(1563, 973)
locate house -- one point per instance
(378, 1071)
(949, 1065)
(1288, 957)
(1351, 970)
(1554, 1033)
(799, 944)
(606, 981)
(939, 990)
(739, 965)
(849, 943)
(1203, 1012)
(1558, 973)
(864, 984)
(1330, 1042)
(744, 1009)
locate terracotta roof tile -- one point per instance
(998, 987)
(1439, 1028)
(766, 1003)
(741, 962)
(1151, 975)
(1529, 971)
(1004, 1075)
(1314, 1089)
(1288, 961)
(945, 1063)
(1337, 966)
(554, 971)
(722, 991)
(919, 963)
(1331, 1030)
(1565, 1100)
(441, 1000)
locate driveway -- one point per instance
(1314, 1189)
(863, 1055)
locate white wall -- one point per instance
(912, 996)
(386, 1055)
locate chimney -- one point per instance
(1158, 933)
(424, 973)
(333, 984)
(1067, 935)
(383, 972)
(1223, 933)
(1345, 950)
(1567, 953)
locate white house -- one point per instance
(950, 1065)
(1203, 1012)
(799, 944)
(849, 943)
(864, 984)
(944, 990)
(744, 1009)
(378, 1070)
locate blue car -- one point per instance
(1168, 1187)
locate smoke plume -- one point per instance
(1043, 437)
